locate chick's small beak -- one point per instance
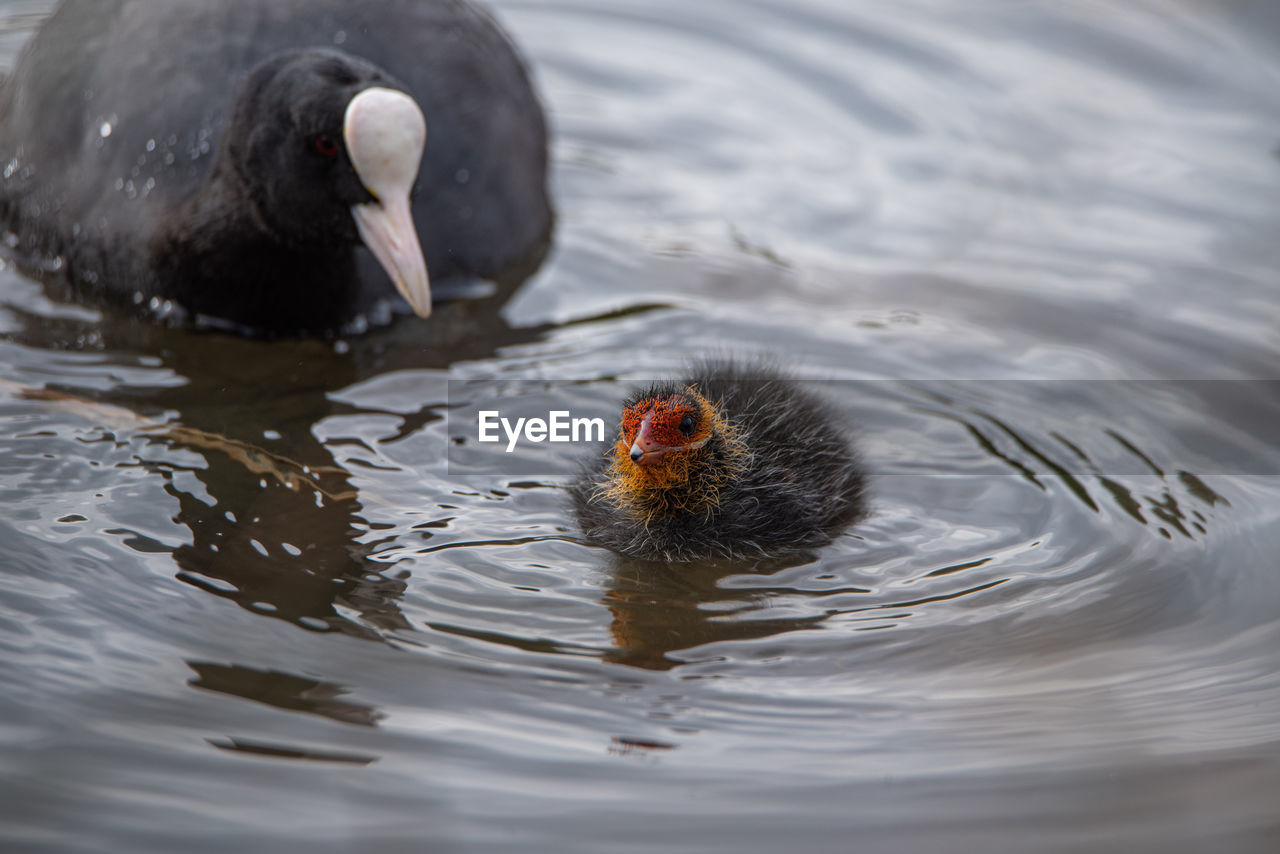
(645, 450)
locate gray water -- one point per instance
(249, 601)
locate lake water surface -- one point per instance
(269, 596)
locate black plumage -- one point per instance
(159, 150)
(746, 463)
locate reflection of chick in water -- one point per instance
(660, 610)
(734, 461)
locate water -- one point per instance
(248, 601)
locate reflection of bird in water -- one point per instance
(278, 535)
(661, 610)
(734, 461)
(254, 501)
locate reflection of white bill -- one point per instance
(558, 426)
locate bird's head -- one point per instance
(664, 435)
(329, 148)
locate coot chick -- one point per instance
(734, 461)
(253, 161)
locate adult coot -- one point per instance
(733, 461)
(253, 161)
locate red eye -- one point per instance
(324, 144)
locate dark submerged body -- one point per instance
(129, 212)
(802, 481)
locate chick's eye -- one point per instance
(686, 425)
(324, 145)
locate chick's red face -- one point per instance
(656, 428)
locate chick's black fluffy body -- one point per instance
(787, 477)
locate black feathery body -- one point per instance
(793, 477)
(132, 141)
